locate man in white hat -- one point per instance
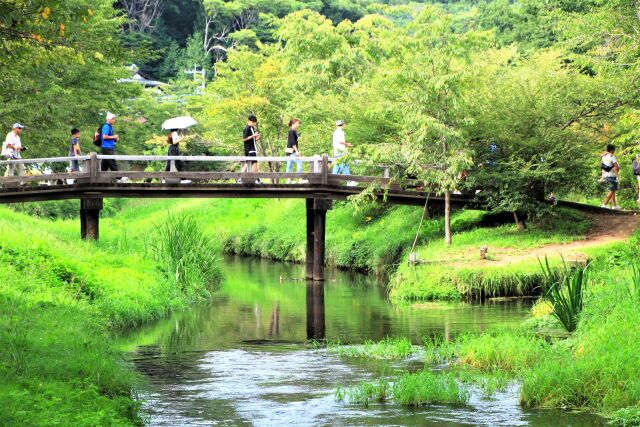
(340, 146)
(11, 149)
(109, 139)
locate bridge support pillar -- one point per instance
(90, 218)
(315, 311)
(320, 207)
(310, 227)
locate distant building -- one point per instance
(139, 77)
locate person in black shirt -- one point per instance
(250, 137)
(292, 146)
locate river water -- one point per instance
(243, 359)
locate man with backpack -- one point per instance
(610, 170)
(107, 145)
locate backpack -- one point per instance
(97, 137)
(606, 168)
(636, 167)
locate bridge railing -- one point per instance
(51, 171)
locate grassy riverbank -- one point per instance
(60, 301)
(596, 368)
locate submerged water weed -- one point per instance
(427, 388)
(438, 349)
(386, 349)
(565, 290)
(365, 392)
(186, 256)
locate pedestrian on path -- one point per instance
(610, 170)
(250, 138)
(340, 146)
(173, 140)
(12, 149)
(292, 151)
(636, 173)
(74, 150)
(107, 148)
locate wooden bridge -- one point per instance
(46, 179)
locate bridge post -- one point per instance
(310, 228)
(320, 207)
(90, 218)
(315, 311)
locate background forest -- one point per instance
(521, 94)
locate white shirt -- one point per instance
(339, 149)
(11, 139)
(609, 160)
(175, 137)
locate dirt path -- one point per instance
(605, 229)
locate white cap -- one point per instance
(17, 126)
(110, 116)
(339, 123)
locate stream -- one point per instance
(243, 359)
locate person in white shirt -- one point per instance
(610, 170)
(340, 150)
(11, 149)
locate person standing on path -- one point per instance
(74, 150)
(250, 138)
(12, 149)
(610, 168)
(292, 149)
(107, 148)
(173, 140)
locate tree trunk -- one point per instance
(520, 223)
(447, 218)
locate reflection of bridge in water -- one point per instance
(213, 177)
(315, 310)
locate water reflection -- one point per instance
(315, 310)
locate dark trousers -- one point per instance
(108, 165)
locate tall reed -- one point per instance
(186, 255)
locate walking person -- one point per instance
(340, 145)
(292, 151)
(107, 148)
(250, 138)
(74, 150)
(636, 173)
(12, 149)
(173, 140)
(610, 169)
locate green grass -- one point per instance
(408, 389)
(456, 272)
(60, 301)
(386, 349)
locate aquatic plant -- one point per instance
(365, 392)
(386, 349)
(564, 289)
(437, 349)
(427, 388)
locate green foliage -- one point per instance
(565, 290)
(417, 389)
(365, 392)
(387, 349)
(185, 256)
(626, 417)
(65, 209)
(427, 388)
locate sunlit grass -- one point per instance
(386, 349)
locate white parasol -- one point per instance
(179, 123)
